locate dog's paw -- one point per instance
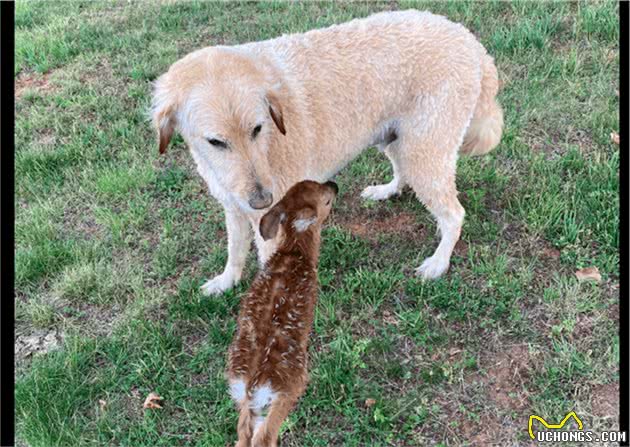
(379, 192)
(219, 284)
(432, 268)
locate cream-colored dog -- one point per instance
(262, 116)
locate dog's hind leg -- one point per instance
(428, 160)
(387, 190)
(239, 241)
(389, 143)
(441, 200)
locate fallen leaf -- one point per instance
(454, 351)
(149, 402)
(369, 402)
(588, 274)
(614, 137)
(550, 252)
(102, 404)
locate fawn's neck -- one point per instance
(305, 245)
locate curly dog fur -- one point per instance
(262, 116)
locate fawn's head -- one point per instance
(304, 207)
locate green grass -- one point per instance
(113, 242)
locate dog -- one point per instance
(262, 116)
(267, 362)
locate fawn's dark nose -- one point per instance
(334, 186)
(260, 198)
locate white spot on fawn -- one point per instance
(262, 398)
(301, 225)
(237, 390)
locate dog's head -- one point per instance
(228, 108)
(305, 206)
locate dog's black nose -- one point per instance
(333, 185)
(261, 198)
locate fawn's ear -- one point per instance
(163, 111)
(304, 219)
(271, 221)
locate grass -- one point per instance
(113, 242)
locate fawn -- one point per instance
(267, 364)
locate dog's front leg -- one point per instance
(265, 248)
(239, 241)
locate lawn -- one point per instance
(113, 242)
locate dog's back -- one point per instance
(268, 358)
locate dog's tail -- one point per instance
(486, 126)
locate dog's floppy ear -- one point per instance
(304, 219)
(165, 131)
(271, 221)
(163, 112)
(275, 110)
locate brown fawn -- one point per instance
(267, 364)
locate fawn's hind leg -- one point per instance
(266, 434)
(245, 425)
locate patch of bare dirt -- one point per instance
(106, 318)
(554, 143)
(39, 341)
(584, 325)
(46, 138)
(613, 310)
(461, 248)
(487, 428)
(81, 220)
(550, 252)
(101, 74)
(131, 404)
(505, 379)
(371, 227)
(32, 81)
(605, 400)
(491, 430)
(524, 245)
(503, 397)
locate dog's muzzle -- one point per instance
(261, 198)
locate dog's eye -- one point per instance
(256, 131)
(217, 143)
